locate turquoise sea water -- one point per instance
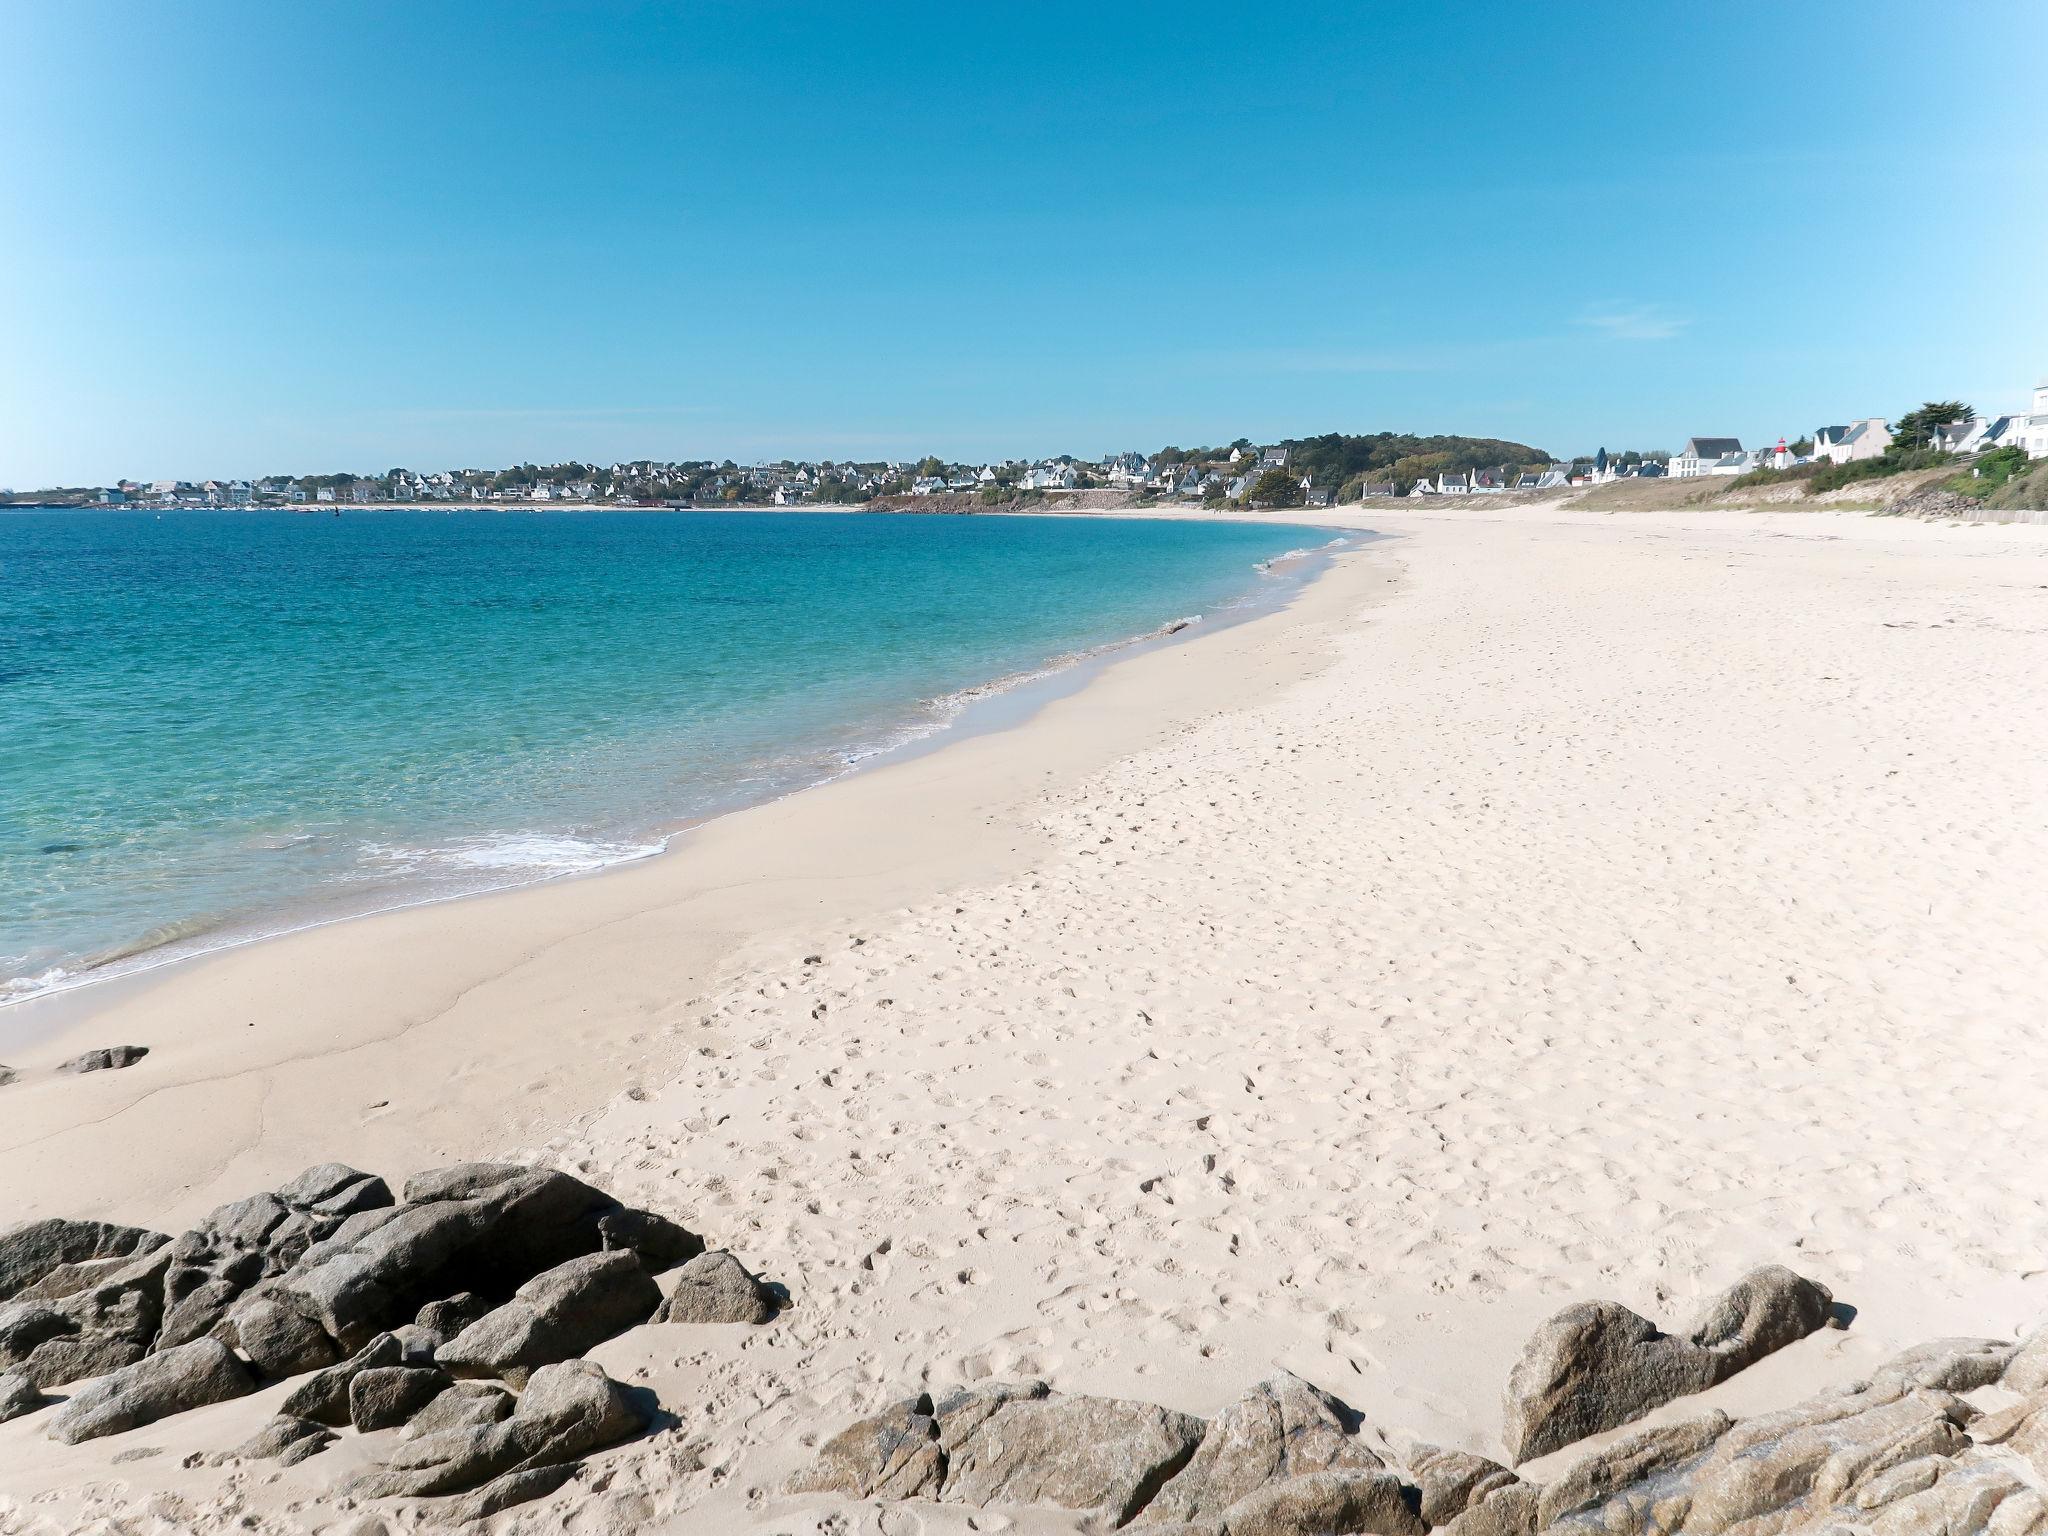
(214, 725)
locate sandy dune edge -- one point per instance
(1633, 901)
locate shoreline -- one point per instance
(168, 1004)
(1544, 908)
(964, 711)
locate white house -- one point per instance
(1700, 455)
(1453, 485)
(1864, 439)
(2022, 429)
(927, 485)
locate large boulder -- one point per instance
(715, 1287)
(661, 1243)
(1318, 1504)
(1281, 1428)
(894, 1454)
(32, 1250)
(237, 1247)
(1450, 1481)
(465, 1405)
(478, 1227)
(1592, 1481)
(1025, 1445)
(323, 1397)
(567, 1411)
(555, 1316)
(190, 1376)
(1011, 1443)
(284, 1439)
(18, 1395)
(90, 1330)
(1597, 1365)
(387, 1396)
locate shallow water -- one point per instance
(218, 724)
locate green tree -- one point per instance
(1916, 429)
(1276, 488)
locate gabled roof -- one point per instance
(1712, 447)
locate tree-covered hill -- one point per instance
(1340, 460)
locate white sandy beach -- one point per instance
(1546, 906)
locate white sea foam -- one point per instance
(538, 853)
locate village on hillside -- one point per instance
(1316, 471)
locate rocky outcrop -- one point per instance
(108, 1058)
(715, 1287)
(386, 1396)
(1282, 1428)
(465, 1405)
(1597, 1365)
(470, 1228)
(85, 1332)
(1450, 1482)
(246, 1242)
(33, 1250)
(323, 1397)
(566, 1412)
(189, 1376)
(1011, 1443)
(555, 1316)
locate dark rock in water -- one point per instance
(108, 1058)
(555, 1316)
(1011, 1443)
(190, 1376)
(323, 1396)
(8, 1075)
(1282, 1428)
(716, 1288)
(18, 1395)
(1598, 1365)
(236, 1247)
(465, 1405)
(285, 1439)
(32, 1250)
(387, 1396)
(567, 1411)
(62, 848)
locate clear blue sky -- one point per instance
(245, 238)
